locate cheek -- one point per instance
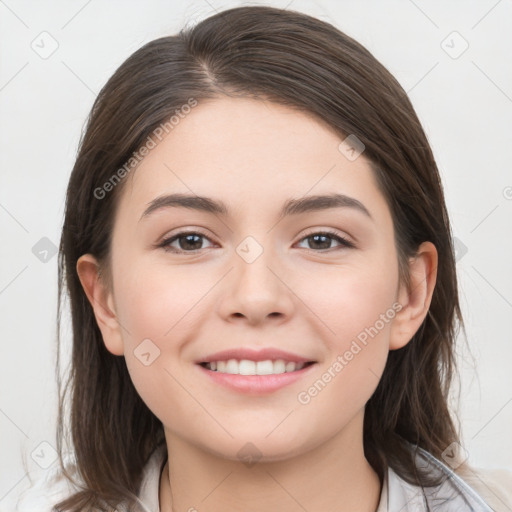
(361, 318)
(160, 309)
(157, 302)
(356, 306)
(349, 299)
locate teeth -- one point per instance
(290, 367)
(247, 367)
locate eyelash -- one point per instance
(331, 234)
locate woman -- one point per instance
(262, 284)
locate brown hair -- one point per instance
(307, 64)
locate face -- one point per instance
(319, 283)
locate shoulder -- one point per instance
(463, 488)
(493, 485)
(48, 487)
(482, 489)
(40, 492)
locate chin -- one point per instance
(252, 448)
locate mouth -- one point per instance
(248, 367)
(250, 377)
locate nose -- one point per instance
(256, 292)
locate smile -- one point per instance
(274, 374)
(248, 367)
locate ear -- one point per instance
(415, 300)
(102, 302)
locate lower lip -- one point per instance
(256, 384)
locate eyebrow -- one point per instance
(291, 206)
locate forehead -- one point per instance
(252, 153)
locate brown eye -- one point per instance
(187, 241)
(322, 240)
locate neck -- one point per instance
(333, 476)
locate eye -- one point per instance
(324, 239)
(191, 241)
(187, 241)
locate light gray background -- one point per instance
(464, 102)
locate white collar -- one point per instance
(149, 492)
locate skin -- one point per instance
(310, 298)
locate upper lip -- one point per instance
(254, 355)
